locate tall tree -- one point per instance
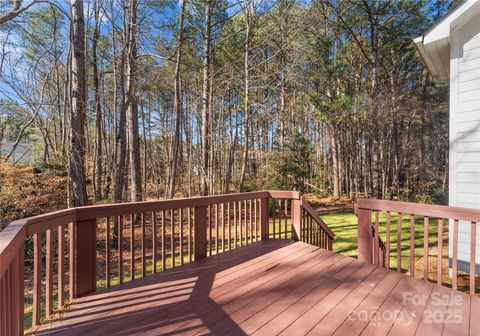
(206, 98)
(132, 111)
(177, 104)
(78, 114)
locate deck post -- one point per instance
(365, 235)
(296, 219)
(85, 257)
(200, 231)
(264, 220)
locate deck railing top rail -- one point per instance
(430, 210)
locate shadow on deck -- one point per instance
(268, 288)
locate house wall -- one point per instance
(464, 157)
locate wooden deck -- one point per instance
(269, 288)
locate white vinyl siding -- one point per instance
(465, 130)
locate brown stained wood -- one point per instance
(216, 228)
(107, 252)
(274, 218)
(222, 222)
(235, 225)
(21, 290)
(164, 252)
(264, 219)
(71, 260)
(132, 247)
(425, 247)
(181, 236)
(229, 224)
(428, 210)
(286, 218)
(61, 265)
(49, 273)
(200, 235)
(210, 230)
(455, 255)
(250, 221)
(308, 208)
(154, 241)
(399, 242)
(86, 257)
(439, 252)
(37, 279)
(241, 218)
(412, 245)
(255, 211)
(473, 245)
(387, 234)
(142, 247)
(120, 248)
(172, 237)
(376, 253)
(190, 253)
(262, 289)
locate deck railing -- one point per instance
(376, 219)
(80, 250)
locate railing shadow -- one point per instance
(154, 304)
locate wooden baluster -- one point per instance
(245, 221)
(440, 251)
(222, 211)
(172, 237)
(132, 247)
(388, 238)
(61, 265)
(473, 245)
(37, 279)
(164, 231)
(240, 217)
(281, 222)
(235, 224)
(455, 255)
(229, 227)
(425, 248)
(189, 222)
(376, 255)
(216, 228)
(250, 221)
(154, 241)
(144, 268)
(412, 245)
(21, 290)
(285, 203)
(255, 210)
(107, 252)
(399, 242)
(274, 218)
(210, 230)
(181, 236)
(120, 249)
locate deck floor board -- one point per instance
(271, 287)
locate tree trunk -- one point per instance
(246, 105)
(132, 111)
(98, 109)
(78, 115)
(205, 99)
(177, 106)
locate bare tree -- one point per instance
(77, 117)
